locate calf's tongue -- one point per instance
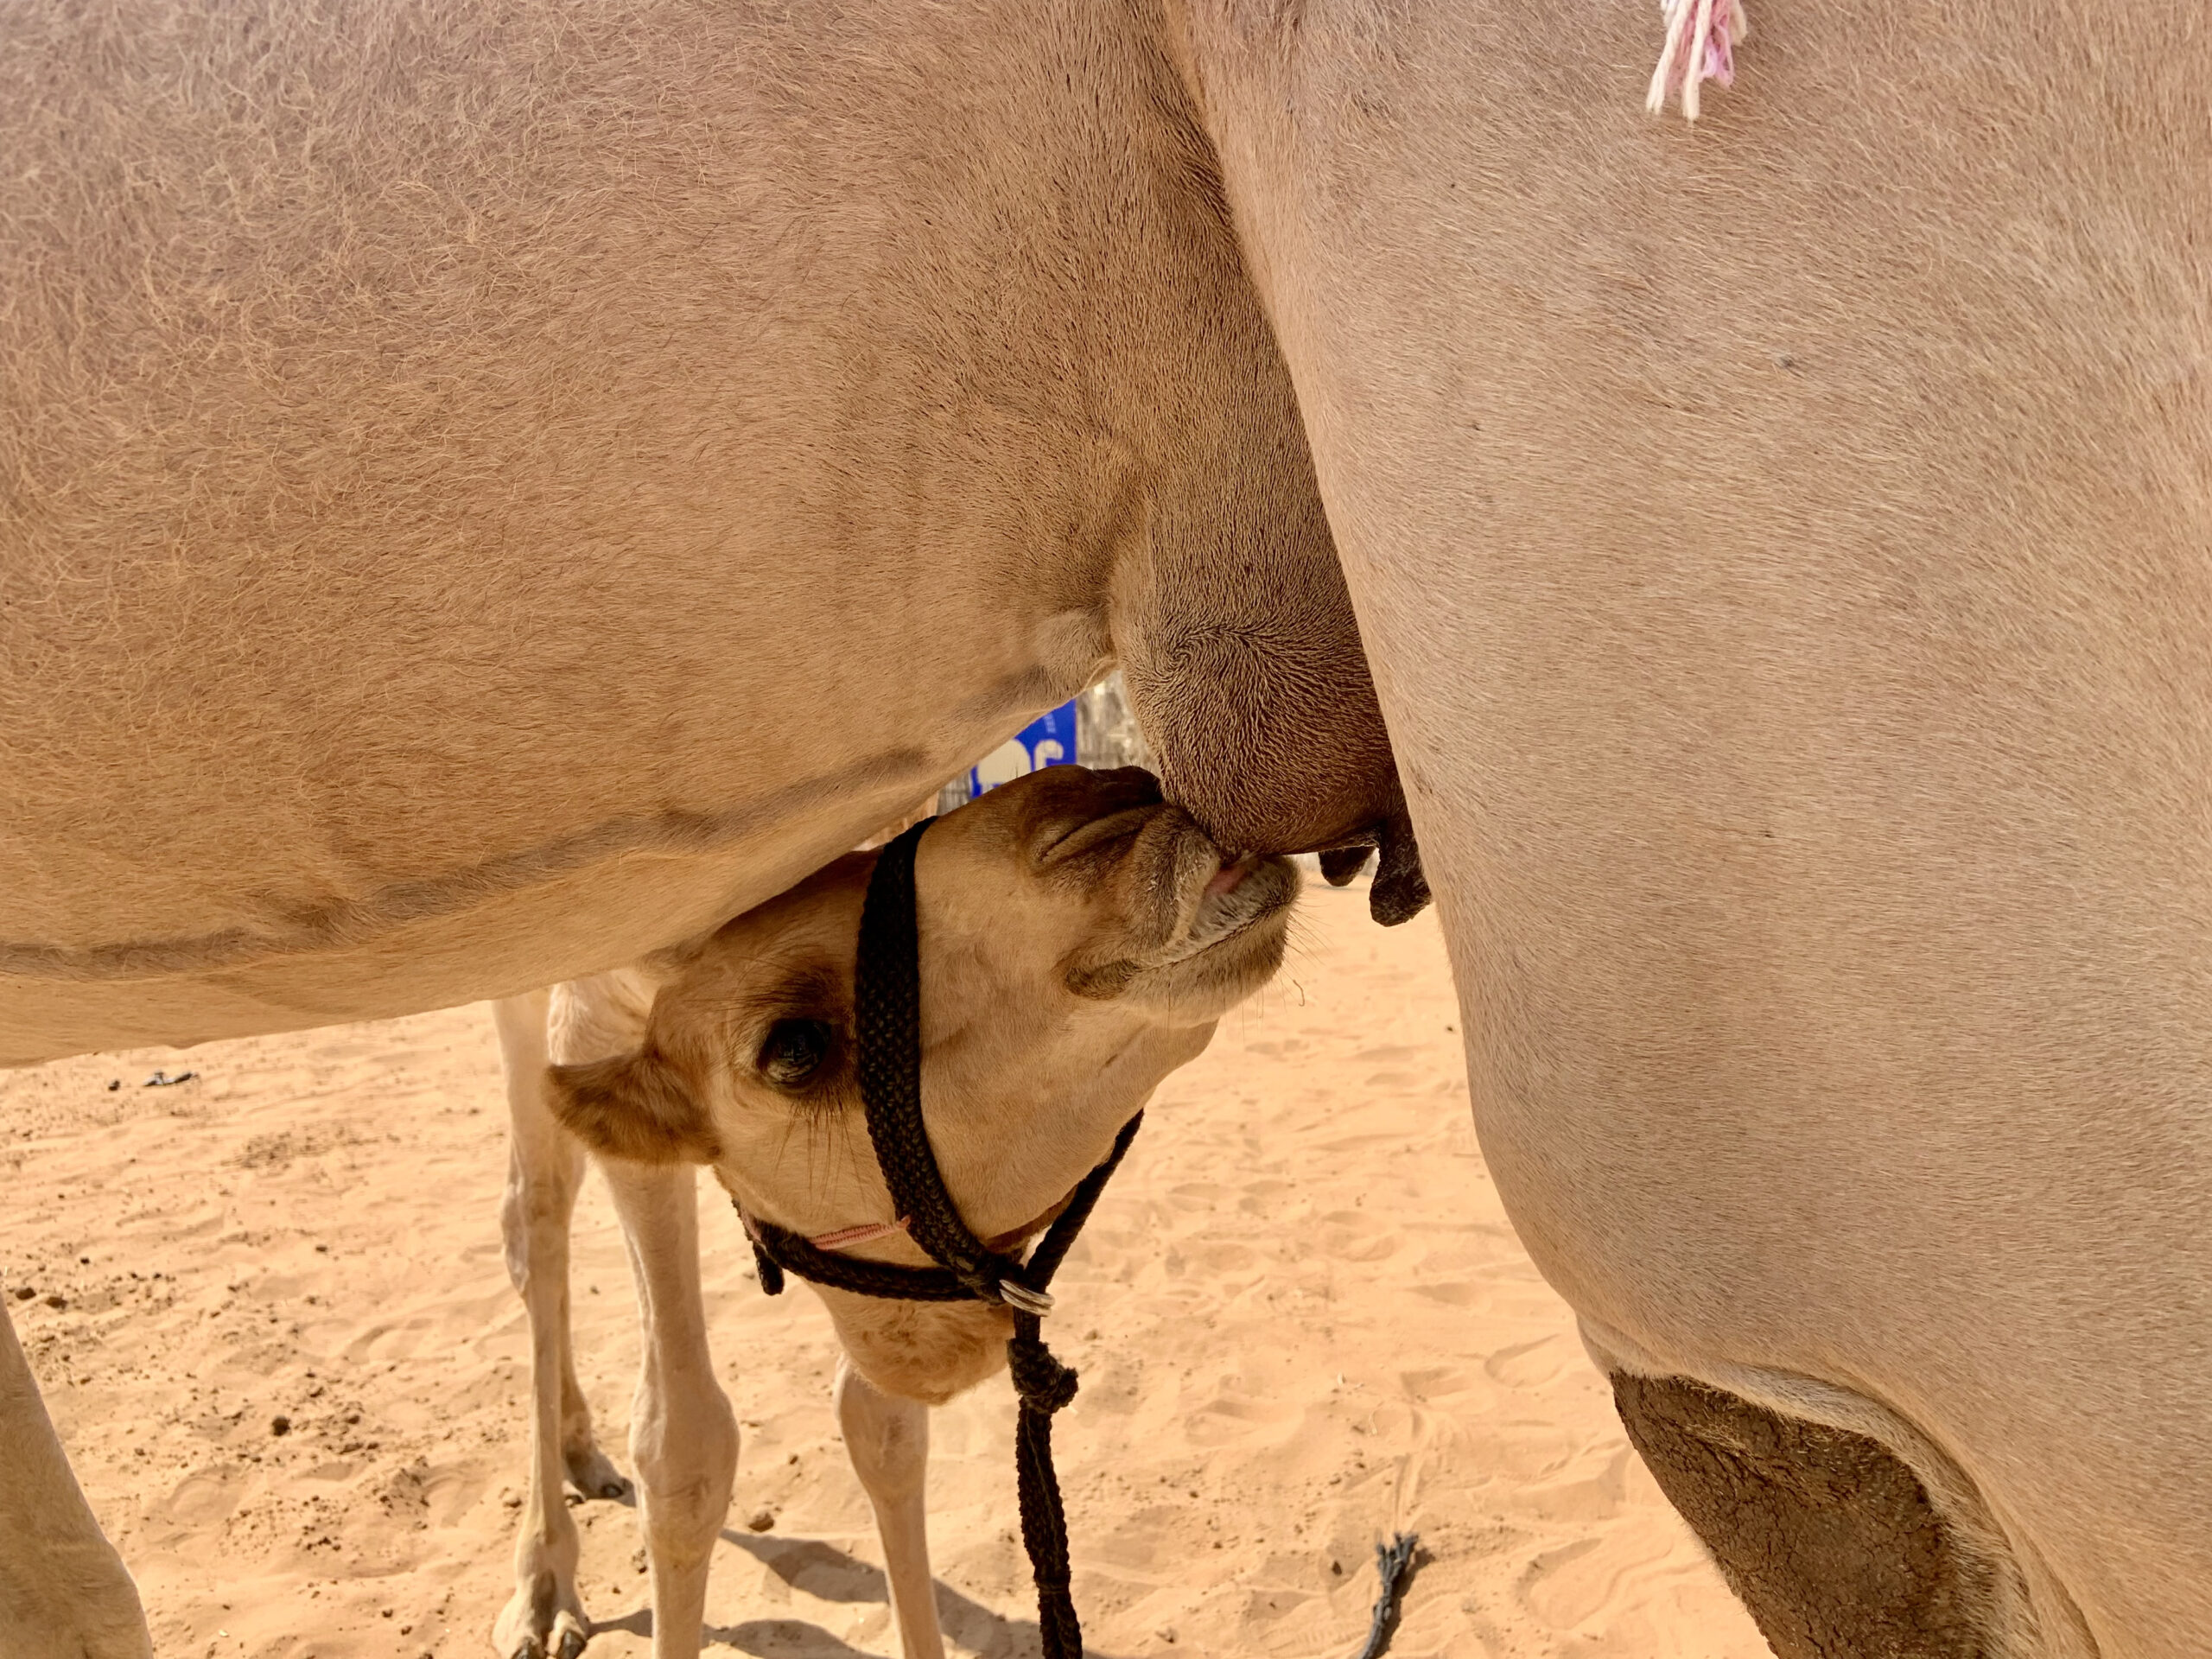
(1229, 877)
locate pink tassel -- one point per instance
(1701, 36)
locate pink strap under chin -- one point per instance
(848, 1236)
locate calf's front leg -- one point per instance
(683, 1434)
(888, 1440)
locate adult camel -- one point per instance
(1780, 543)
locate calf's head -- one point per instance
(1078, 940)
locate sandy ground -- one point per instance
(1302, 1320)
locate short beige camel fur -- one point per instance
(1078, 940)
(490, 487)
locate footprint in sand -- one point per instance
(1224, 1257)
(1593, 1488)
(1585, 1581)
(1528, 1364)
(1556, 1592)
(1355, 1236)
(1229, 1419)
(1438, 1382)
(203, 1499)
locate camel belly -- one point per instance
(426, 945)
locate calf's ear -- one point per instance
(635, 1106)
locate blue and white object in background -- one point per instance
(1047, 740)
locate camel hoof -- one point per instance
(593, 1475)
(543, 1621)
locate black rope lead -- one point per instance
(1394, 1562)
(1043, 1385)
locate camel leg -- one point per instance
(888, 1440)
(545, 1167)
(682, 1433)
(64, 1593)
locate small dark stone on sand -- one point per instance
(280, 1424)
(762, 1520)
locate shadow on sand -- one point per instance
(829, 1574)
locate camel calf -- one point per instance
(1078, 939)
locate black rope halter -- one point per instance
(887, 1020)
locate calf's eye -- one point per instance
(793, 1051)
